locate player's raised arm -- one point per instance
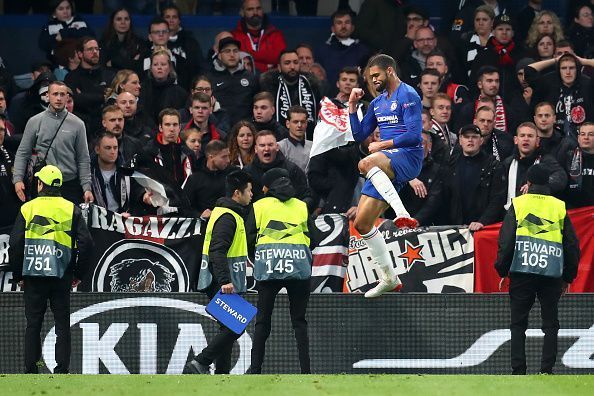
(361, 129)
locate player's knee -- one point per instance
(365, 165)
(362, 226)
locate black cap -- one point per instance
(502, 19)
(538, 174)
(274, 174)
(228, 40)
(470, 128)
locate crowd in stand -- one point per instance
(500, 92)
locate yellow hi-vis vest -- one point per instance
(282, 248)
(539, 235)
(236, 255)
(48, 236)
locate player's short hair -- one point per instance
(168, 112)
(236, 180)
(382, 61)
(264, 95)
(214, 147)
(296, 110)
(440, 96)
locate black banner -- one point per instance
(399, 333)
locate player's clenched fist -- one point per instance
(356, 95)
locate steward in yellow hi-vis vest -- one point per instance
(539, 251)
(282, 259)
(224, 258)
(50, 247)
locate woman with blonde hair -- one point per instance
(544, 22)
(125, 80)
(241, 143)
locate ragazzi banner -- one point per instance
(142, 254)
(427, 259)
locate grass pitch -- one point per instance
(262, 385)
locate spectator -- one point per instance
(341, 49)
(202, 120)
(137, 123)
(205, 186)
(525, 17)
(415, 19)
(263, 112)
(167, 150)
(258, 36)
(457, 92)
(462, 20)
(63, 24)
(525, 155)
(183, 45)
(551, 138)
(581, 33)
(10, 131)
(545, 22)
(233, 86)
(418, 194)
(443, 139)
(241, 143)
(380, 22)
(192, 137)
(501, 52)
(124, 81)
(111, 188)
(475, 41)
(121, 48)
(348, 78)
(545, 47)
(429, 85)
(268, 156)
(295, 147)
(7, 80)
(88, 82)
(160, 90)
(495, 142)
(66, 58)
(306, 57)
(213, 51)
(201, 83)
(414, 61)
(67, 150)
(473, 192)
(26, 104)
(113, 122)
(580, 167)
(9, 201)
(566, 88)
(291, 87)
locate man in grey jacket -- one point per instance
(59, 138)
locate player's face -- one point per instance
(544, 118)
(586, 138)
(441, 111)
(379, 77)
(169, 128)
(346, 82)
(527, 140)
(437, 63)
(485, 120)
(429, 85)
(266, 149)
(470, 143)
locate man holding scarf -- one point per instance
(580, 167)
(291, 87)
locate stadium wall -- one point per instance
(400, 333)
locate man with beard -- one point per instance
(232, 85)
(113, 122)
(137, 124)
(88, 82)
(527, 154)
(292, 87)
(263, 111)
(393, 161)
(258, 36)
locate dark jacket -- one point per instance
(280, 132)
(257, 169)
(484, 203)
(157, 95)
(223, 232)
(76, 29)
(504, 142)
(204, 187)
(84, 246)
(175, 158)
(235, 92)
(557, 178)
(579, 165)
(507, 242)
(419, 207)
(557, 145)
(183, 45)
(9, 202)
(124, 188)
(122, 54)
(142, 127)
(88, 87)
